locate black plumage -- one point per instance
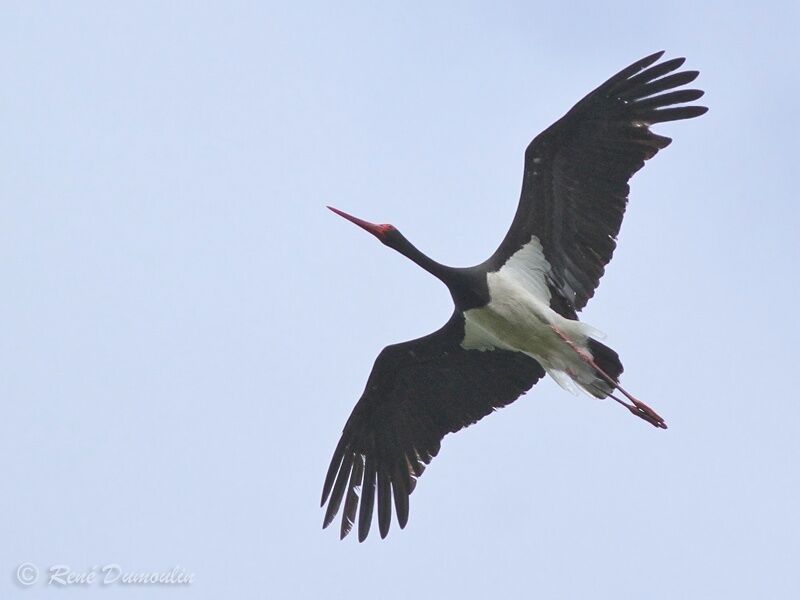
(397, 433)
(575, 183)
(574, 193)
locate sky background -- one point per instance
(185, 328)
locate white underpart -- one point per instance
(518, 317)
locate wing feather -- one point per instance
(418, 392)
(575, 185)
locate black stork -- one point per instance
(515, 314)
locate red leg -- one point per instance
(639, 408)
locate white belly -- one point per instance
(516, 318)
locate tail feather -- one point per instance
(608, 360)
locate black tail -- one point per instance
(608, 360)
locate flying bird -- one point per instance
(515, 315)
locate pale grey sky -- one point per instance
(186, 328)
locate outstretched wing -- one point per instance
(575, 185)
(418, 392)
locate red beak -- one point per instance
(376, 230)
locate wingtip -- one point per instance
(629, 71)
(645, 62)
(675, 63)
(693, 74)
(383, 526)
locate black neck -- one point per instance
(467, 286)
(438, 270)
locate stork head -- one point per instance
(390, 236)
(386, 233)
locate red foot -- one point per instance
(643, 411)
(647, 413)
